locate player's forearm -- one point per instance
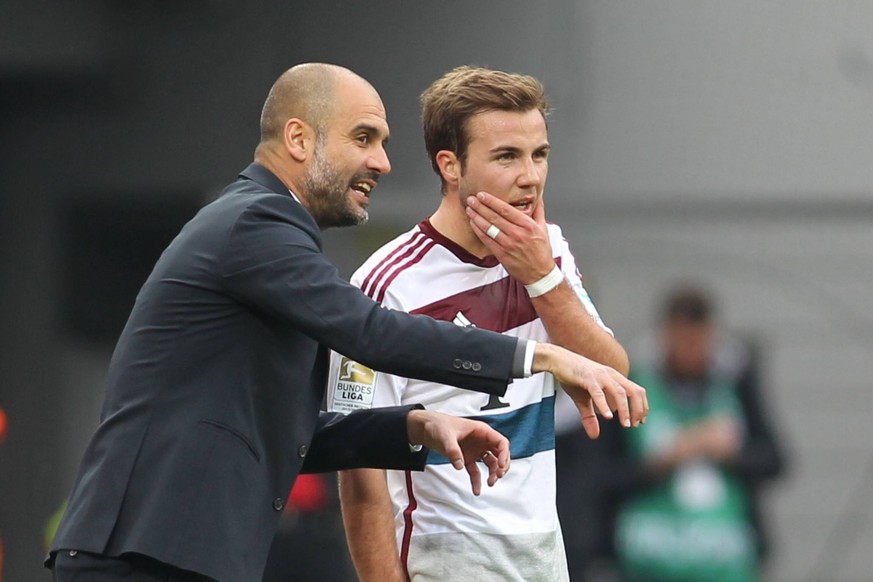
(369, 525)
(571, 326)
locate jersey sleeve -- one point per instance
(574, 277)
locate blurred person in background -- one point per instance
(682, 493)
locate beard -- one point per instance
(327, 193)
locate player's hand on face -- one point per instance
(464, 442)
(520, 242)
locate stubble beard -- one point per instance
(327, 194)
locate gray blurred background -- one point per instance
(727, 143)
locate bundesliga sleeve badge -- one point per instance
(355, 386)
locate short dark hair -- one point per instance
(688, 304)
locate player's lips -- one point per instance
(524, 204)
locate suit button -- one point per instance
(467, 364)
(301, 451)
(477, 366)
(278, 504)
(457, 364)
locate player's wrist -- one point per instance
(546, 284)
(416, 420)
(544, 357)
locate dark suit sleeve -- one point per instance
(365, 438)
(273, 263)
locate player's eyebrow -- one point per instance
(544, 147)
(501, 149)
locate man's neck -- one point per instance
(268, 160)
(450, 220)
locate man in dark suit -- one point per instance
(213, 392)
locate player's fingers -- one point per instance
(495, 469)
(501, 450)
(600, 402)
(498, 445)
(488, 233)
(495, 211)
(539, 213)
(475, 477)
(477, 221)
(452, 451)
(589, 419)
(638, 401)
(645, 405)
(488, 207)
(618, 396)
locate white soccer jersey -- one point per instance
(444, 532)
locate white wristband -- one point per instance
(546, 284)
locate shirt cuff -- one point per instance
(416, 448)
(528, 358)
(522, 361)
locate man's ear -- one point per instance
(299, 139)
(449, 165)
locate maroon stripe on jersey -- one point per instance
(498, 306)
(390, 260)
(463, 254)
(407, 525)
(411, 261)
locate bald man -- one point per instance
(213, 392)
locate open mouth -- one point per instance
(363, 187)
(523, 205)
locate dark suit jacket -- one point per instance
(213, 392)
